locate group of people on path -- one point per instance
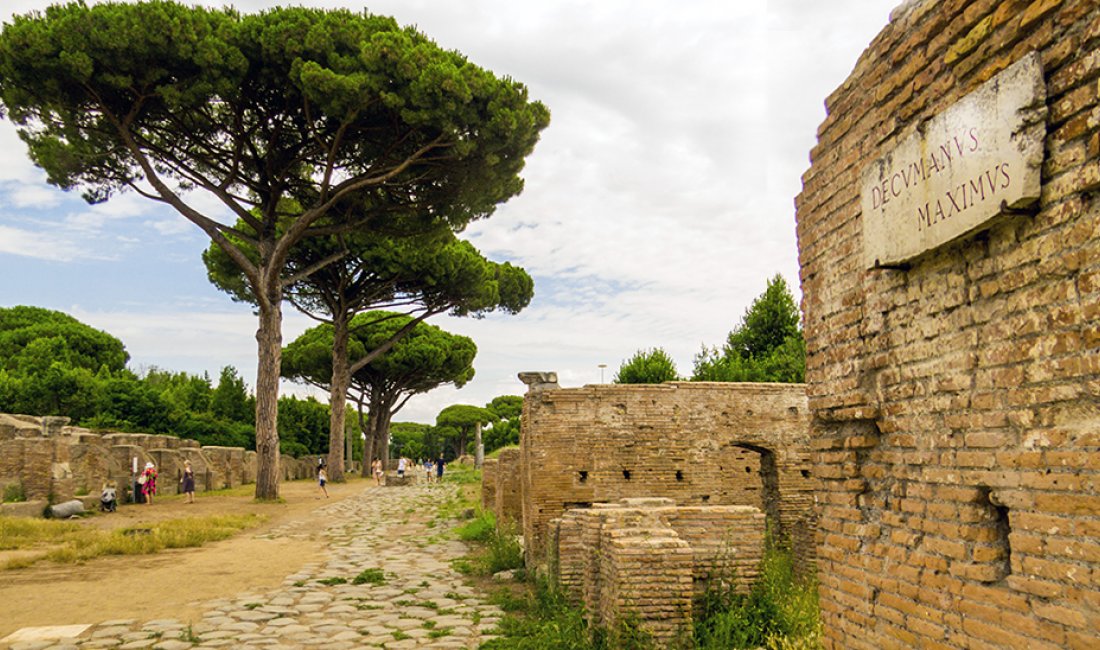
(147, 487)
(405, 468)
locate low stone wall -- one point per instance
(52, 461)
(508, 495)
(489, 485)
(645, 559)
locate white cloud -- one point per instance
(43, 245)
(657, 204)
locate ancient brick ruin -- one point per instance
(952, 370)
(635, 496)
(52, 461)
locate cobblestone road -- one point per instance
(420, 603)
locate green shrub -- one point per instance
(13, 493)
(778, 610)
(478, 529)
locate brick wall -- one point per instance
(46, 457)
(489, 485)
(508, 494)
(956, 420)
(696, 443)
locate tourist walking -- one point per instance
(401, 466)
(428, 467)
(377, 467)
(322, 478)
(188, 481)
(439, 469)
(148, 482)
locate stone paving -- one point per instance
(417, 601)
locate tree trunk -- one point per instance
(349, 454)
(269, 339)
(338, 397)
(384, 432)
(479, 447)
(368, 442)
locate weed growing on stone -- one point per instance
(299, 583)
(188, 635)
(369, 576)
(429, 625)
(398, 635)
(251, 606)
(441, 632)
(333, 581)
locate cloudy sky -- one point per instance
(657, 204)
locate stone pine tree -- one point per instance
(326, 111)
(767, 344)
(426, 358)
(465, 419)
(505, 430)
(425, 275)
(647, 367)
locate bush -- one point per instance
(13, 493)
(778, 610)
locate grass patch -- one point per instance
(461, 474)
(72, 543)
(779, 611)
(369, 577)
(333, 581)
(441, 632)
(478, 529)
(499, 549)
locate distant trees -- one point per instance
(505, 430)
(426, 357)
(52, 364)
(767, 344)
(462, 420)
(647, 367)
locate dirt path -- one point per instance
(172, 584)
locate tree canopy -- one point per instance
(462, 420)
(767, 344)
(505, 430)
(425, 358)
(296, 121)
(647, 367)
(426, 275)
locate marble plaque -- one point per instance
(958, 171)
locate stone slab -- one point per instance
(977, 160)
(45, 633)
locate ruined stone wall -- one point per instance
(954, 395)
(489, 485)
(696, 443)
(50, 460)
(726, 542)
(508, 495)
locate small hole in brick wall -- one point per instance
(748, 470)
(805, 473)
(582, 475)
(626, 474)
(679, 475)
(705, 498)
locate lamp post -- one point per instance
(601, 367)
